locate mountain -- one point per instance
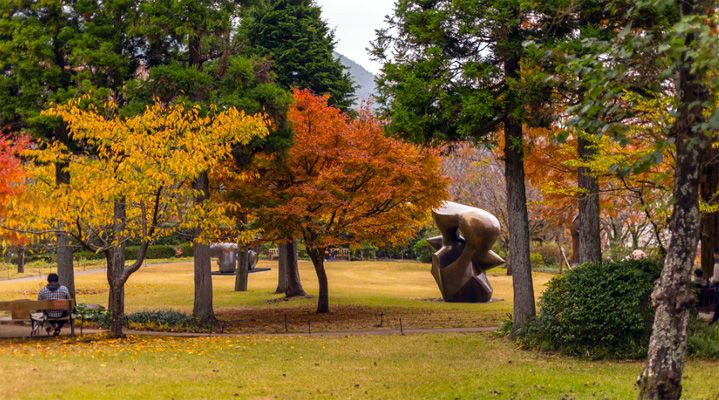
(364, 79)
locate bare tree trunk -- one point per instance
(709, 221)
(241, 277)
(21, 259)
(115, 273)
(282, 269)
(202, 309)
(318, 261)
(294, 284)
(65, 267)
(518, 218)
(672, 296)
(590, 246)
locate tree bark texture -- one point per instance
(21, 259)
(202, 309)
(518, 218)
(242, 274)
(709, 221)
(318, 261)
(282, 269)
(672, 296)
(590, 245)
(294, 284)
(115, 257)
(65, 267)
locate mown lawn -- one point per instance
(450, 366)
(362, 295)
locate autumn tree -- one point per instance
(136, 185)
(11, 185)
(679, 38)
(346, 183)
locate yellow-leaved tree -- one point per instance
(135, 183)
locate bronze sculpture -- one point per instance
(464, 252)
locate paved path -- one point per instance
(16, 331)
(44, 276)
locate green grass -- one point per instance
(359, 293)
(455, 366)
(447, 366)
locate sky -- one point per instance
(354, 23)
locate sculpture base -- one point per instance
(249, 272)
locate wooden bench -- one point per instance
(21, 311)
(340, 253)
(273, 253)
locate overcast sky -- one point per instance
(354, 22)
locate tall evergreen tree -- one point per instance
(300, 45)
(452, 71)
(194, 58)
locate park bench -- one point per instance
(340, 253)
(273, 253)
(22, 311)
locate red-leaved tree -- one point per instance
(345, 182)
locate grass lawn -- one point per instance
(359, 293)
(426, 366)
(451, 366)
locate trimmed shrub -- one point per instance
(703, 340)
(598, 310)
(424, 251)
(153, 252)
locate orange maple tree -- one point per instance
(344, 182)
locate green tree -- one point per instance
(679, 39)
(292, 34)
(452, 70)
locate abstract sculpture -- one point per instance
(464, 252)
(226, 254)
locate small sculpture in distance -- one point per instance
(464, 252)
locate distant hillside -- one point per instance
(363, 78)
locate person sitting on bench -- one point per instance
(54, 291)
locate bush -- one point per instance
(703, 340)
(598, 310)
(424, 251)
(549, 252)
(161, 317)
(153, 252)
(536, 260)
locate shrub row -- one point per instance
(153, 252)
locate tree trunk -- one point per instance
(115, 272)
(116, 305)
(282, 269)
(21, 259)
(318, 261)
(672, 296)
(294, 284)
(709, 221)
(518, 219)
(202, 309)
(65, 268)
(590, 246)
(241, 277)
